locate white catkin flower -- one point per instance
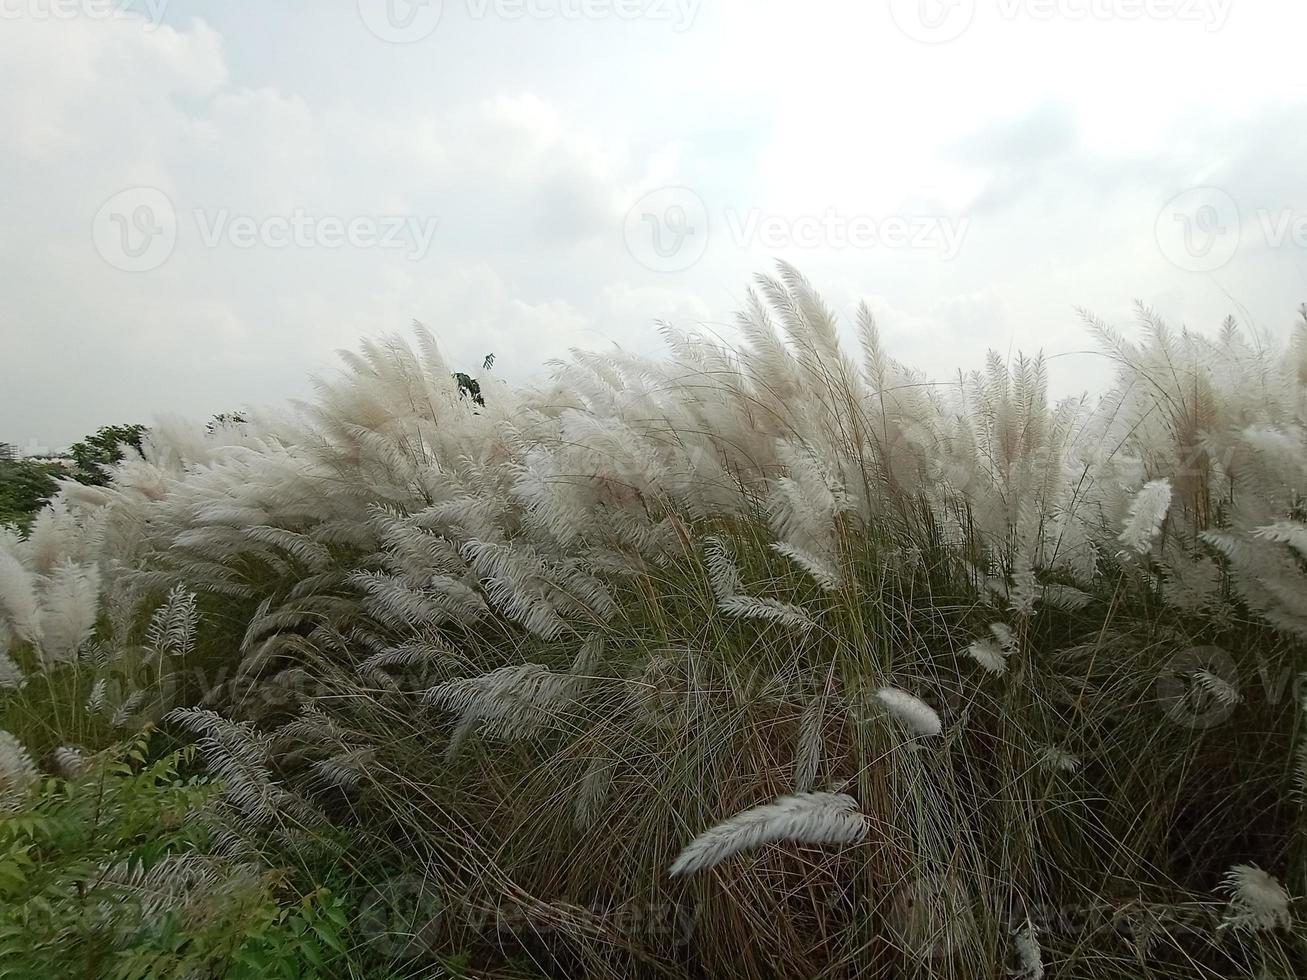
(95, 700)
(914, 713)
(810, 748)
(821, 570)
(511, 702)
(1030, 958)
(18, 597)
(125, 714)
(346, 770)
(1292, 533)
(237, 756)
(11, 677)
(1025, 591)
(1218, 688)
(1054, 759)
(989, 655)
(1300, 769)
(1003, 634)
(594, 788)
(172, 627)
(70, 760)
(17, 771)
(68, 611)
(1147, 512)
(770, 610)
(722, 573)
(1257, 900)
(805, 818)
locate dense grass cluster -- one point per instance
(772, 661)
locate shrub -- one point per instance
(111, 871)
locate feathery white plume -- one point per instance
(1292, 533)
(989, 655)
(125, 714)
(1054, 759)
(1147, 512)
(1257, 900)
(70, 760)
(18, 597)
(1218, 688)
(807, 760)
(11, 677)
(511, 702)
(806, 818)
(1004, 636)
(95, 700)
(17, 771)
(1300, 754)
(1030, 958)
(770, 610)
(914, 713)
(594, 788)
(722, 573)
(172, 627)
(69, 607)
(822, 571)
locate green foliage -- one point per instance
(25, 485)
(112, 874)
(50, 709)
(104, 448)
(469, 387)
(225, 420)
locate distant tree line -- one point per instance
(26, 484)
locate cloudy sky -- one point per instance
(202, 201)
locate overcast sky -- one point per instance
(202, 201)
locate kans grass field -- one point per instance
(762, 660)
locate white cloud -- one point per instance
(1058, 142)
